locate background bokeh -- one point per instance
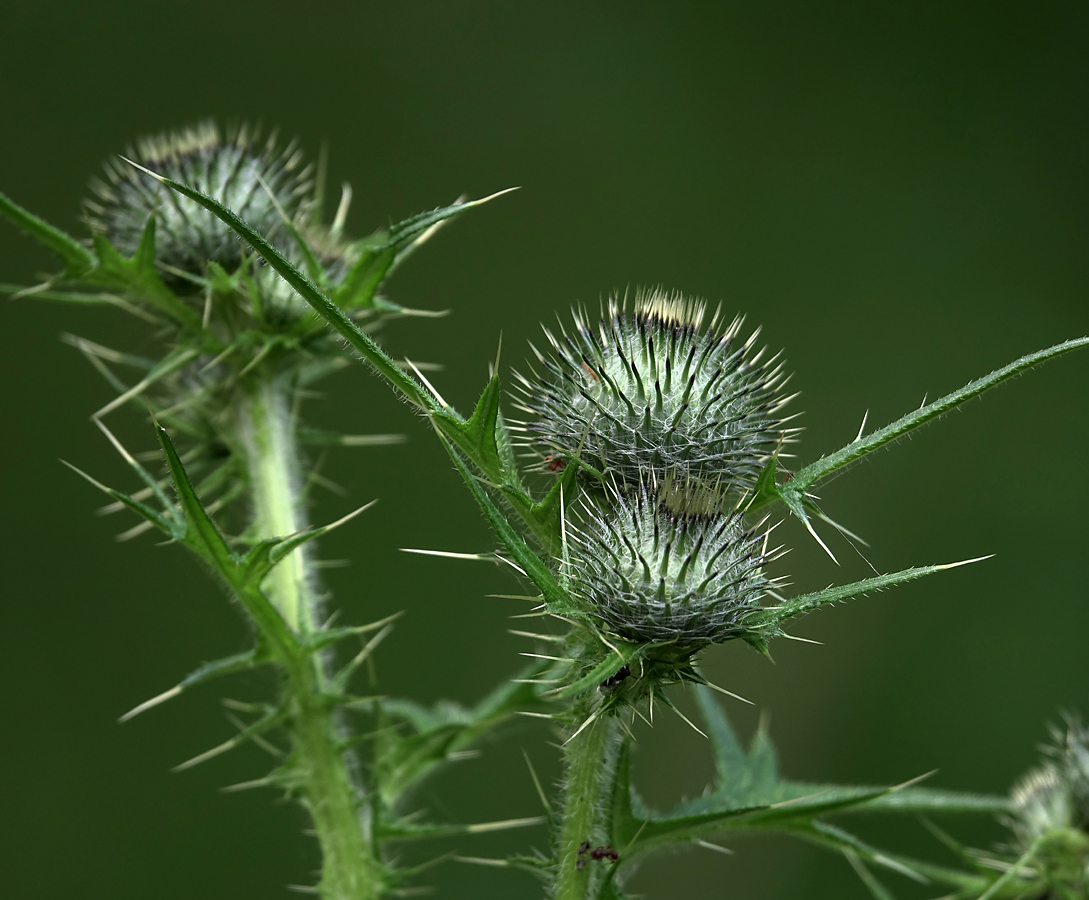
(898, 193)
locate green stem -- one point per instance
(268, 437)
(351, 866)
(589, 758)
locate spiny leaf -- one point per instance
(403, 761)
(750, 795)
(173, 527)
(794, 491)
(237, 663)
(205, 539)
(262, 725)
(319, 640)
(737, 772)
(77, 259)
(771, 617)
(202, 535)
(544, 516)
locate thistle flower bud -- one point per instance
(259, 182)
(1051, 813)
(658, 566)
(653, 391)
(1042, 803)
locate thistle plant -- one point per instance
(239, 351)
(655, 442)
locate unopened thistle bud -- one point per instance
(254, 179)
(1051, 813)
(653, 391)
(663, 566)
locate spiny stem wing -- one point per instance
(476, 436)
(557, 599)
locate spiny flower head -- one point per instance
(1070, 756)
(1042, 803)
(652, 390)
(1051, 813)
(662, 564)
(255, 179)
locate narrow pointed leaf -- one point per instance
(237, 663)
(407, 232)
(794, 490)
(259, 727)
(824, 834)
(877, 890)
(401, 829)
(77, 259)
(176, 529)
(176, 359)
(202, 535)
(918, 800)
(773, 616)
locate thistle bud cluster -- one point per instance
(670, 423)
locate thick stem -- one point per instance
(272, 458)
(589, 758)
(351, 866)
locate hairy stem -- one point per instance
(589, 758)
(272, 457)
(323, 780)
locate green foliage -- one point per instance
(620, 555)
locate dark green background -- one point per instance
(897, 192)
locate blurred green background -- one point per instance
(898, 193)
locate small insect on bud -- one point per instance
(657, 565)
(254, 179)
(653, 391)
